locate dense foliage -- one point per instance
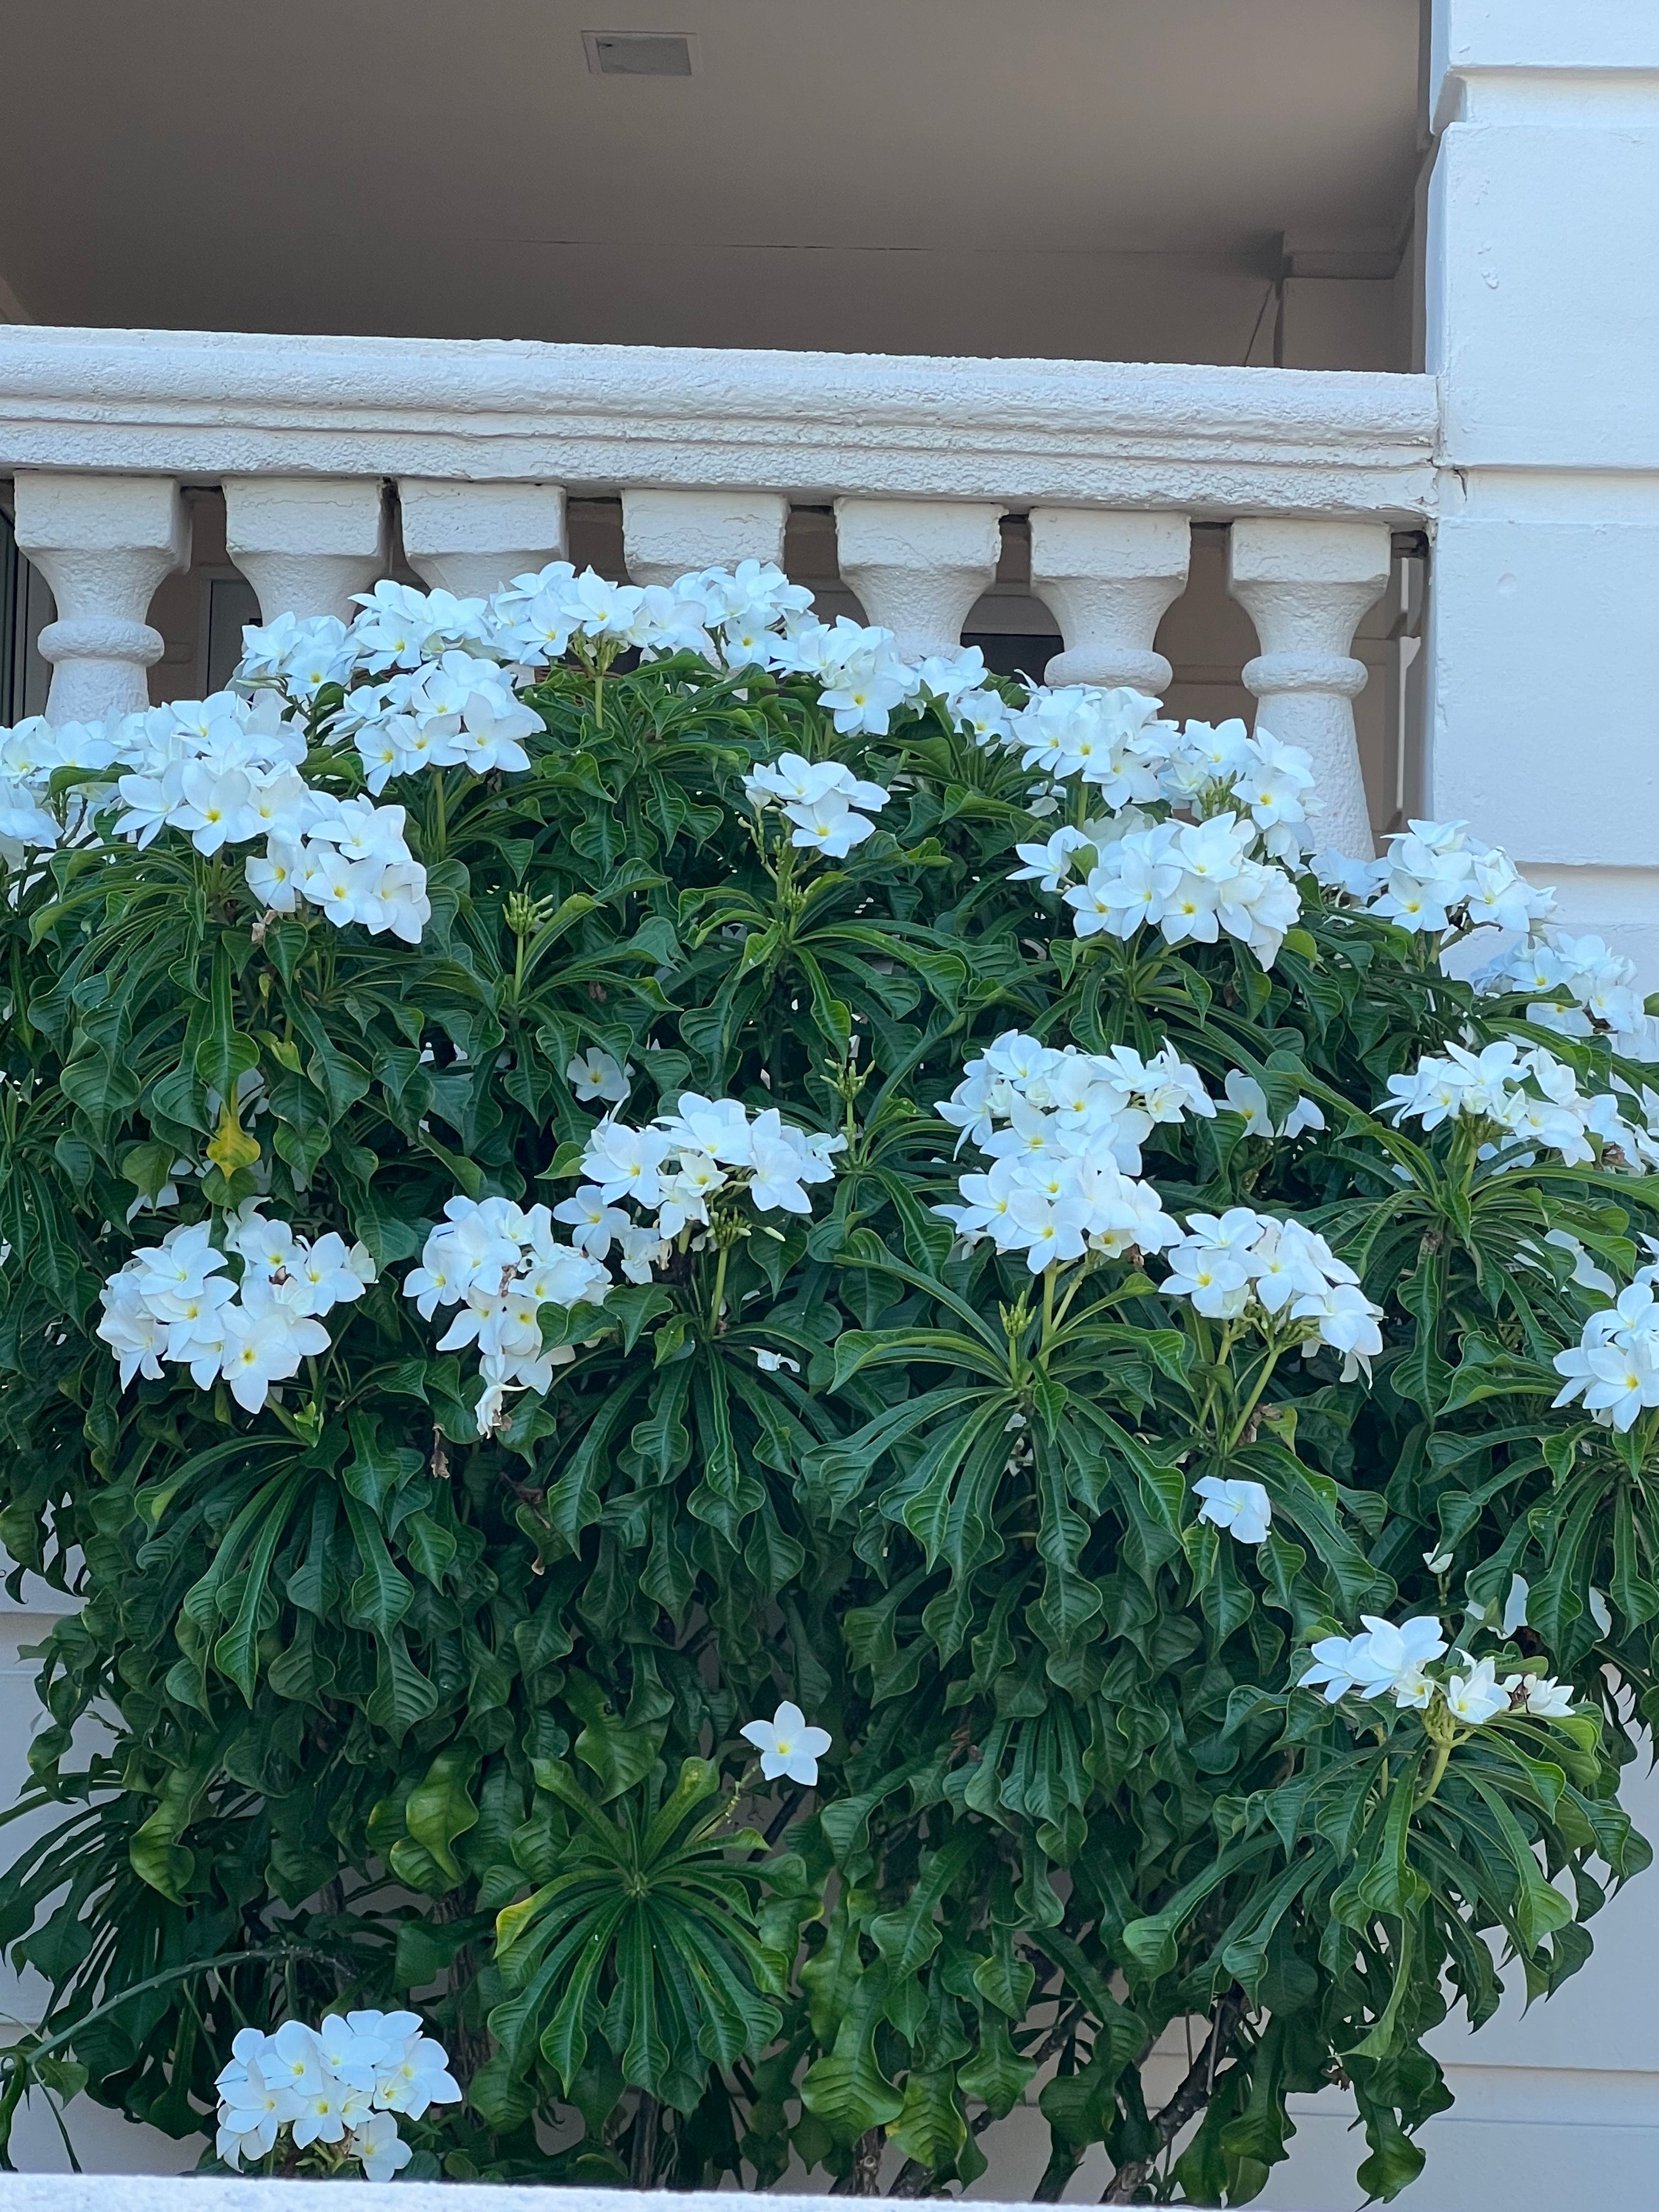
(413, 1667)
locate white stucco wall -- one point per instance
(1543, 328)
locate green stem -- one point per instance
(1268, 1364)
(440, 813)
(720, 1289)
(1048, 1274)
(1065, 1305)
(1443, 1753)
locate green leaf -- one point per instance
(439, 1808)
(225, 1053)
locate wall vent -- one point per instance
(641, 53)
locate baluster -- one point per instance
(306, 543)
(103, 543)
(1305, 584)
(918, 565)
(471, 537)
(668, 534)
(1109, 579)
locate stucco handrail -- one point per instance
(153, 2192)
(815, 426)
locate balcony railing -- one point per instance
(340, 459)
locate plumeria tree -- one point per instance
(820, 1392)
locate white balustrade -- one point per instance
(306, 543)
(1305, 584)
(667, 534)
(708, 452)
(1109, 579)
(470, 537)
(918, 565)
(103, 543)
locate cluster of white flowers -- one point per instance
(501, 1264)
(1113, 742)
(1243, 1263)
(224, 771)
(1063, 1131)
(677, 1165)
(1385, 1662)
(1055, 1099)
(30, 756)
(1614, 1365)
(1191, 880)
(338, 2085)
(1530, 1099)
(429, 680)
(1579, 986)
(172, 1301)
(403, 718)
(458, 711)
(828, 807)
(1434, 877)
(1227, 869)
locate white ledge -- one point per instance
(189, 2192)
(818, 426)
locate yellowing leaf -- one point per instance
(231, 1146)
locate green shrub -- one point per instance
(417, 1674)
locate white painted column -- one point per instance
(103, 543)
(306, 543)
(1109, 578)
(1542, 321)
(918, 565)
(1305, 584)
(668, 534)
(471, 539)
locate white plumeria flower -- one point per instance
(770, 1362)
(350, 2054)
(265, 1342)
(376, 2143)
(251, 2112)
(1542, 1695)
(1475, 1697)
(295, 2057)
(416, 2077)
(1380, 1660)
(328, 1272)
(1241, 1508)
(596, 1078)
(788, 1744)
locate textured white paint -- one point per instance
(1305, 584)
(1204, 440)
(1482, 40)
(470, 537)
(306, 544)
(667, 534)
(1110, 579)
(1543, 326)
(103, 543)
(35, 2192)
(918, 566)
